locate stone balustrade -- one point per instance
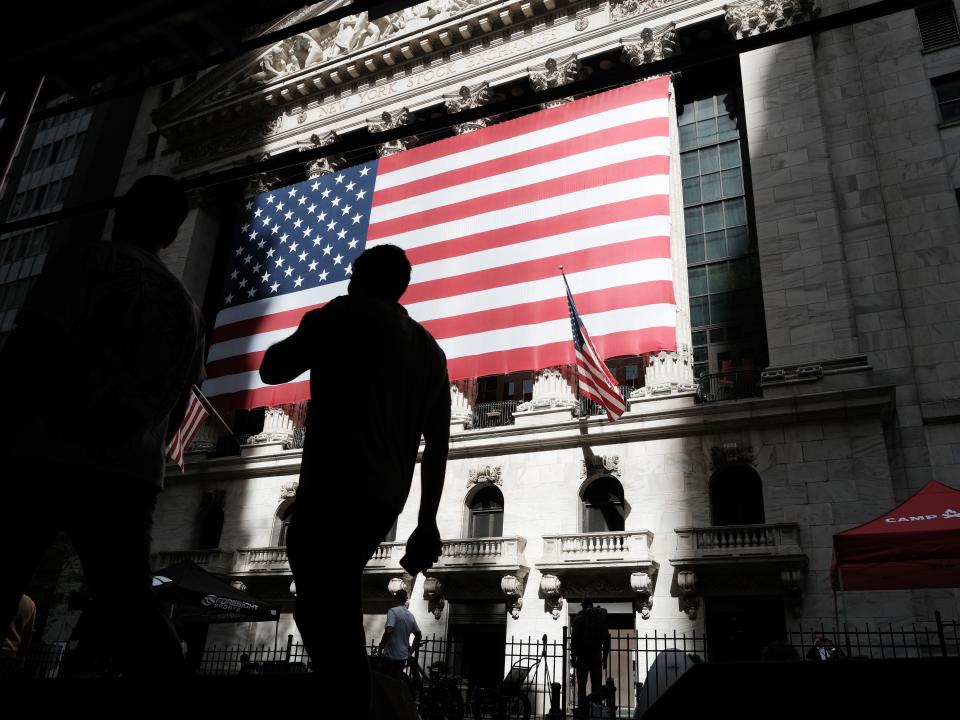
(599, 548)
(738, 540)
(492, 552)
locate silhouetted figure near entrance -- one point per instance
(95, 380)
(589, 648)
(378, 382)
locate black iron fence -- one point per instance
(588, 408)
(455, 678)
(494, 414)
(716, 387)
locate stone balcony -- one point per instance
(491, 568)
(614, 564)
(738, 560)
(386, 559)
(216, 561)
(261, 561)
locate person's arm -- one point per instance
(290, 358)
(387, 632)
(424, 544)
(416, 640)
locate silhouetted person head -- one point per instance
(401, 597)
(151, 212)
(382, 272)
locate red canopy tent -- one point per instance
(914, 545)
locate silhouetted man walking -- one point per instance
(378, 382)
(95, 380)
(589, 647)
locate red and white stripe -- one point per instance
(192, 420)
(486, 218)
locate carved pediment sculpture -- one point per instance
(759, 16)
(489, 475)
(652, 45)
(388, 121)
(624, 9)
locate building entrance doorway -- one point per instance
(478, 632)
(739, 628)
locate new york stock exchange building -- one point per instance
(802, 381)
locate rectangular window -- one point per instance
(938, 25)
(153, 139)
(947, 88)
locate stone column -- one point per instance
(669, 372)
(650, 45)
(553, 400)
(320, 166)
(556, 73)
(467, 98)
(388, 121)
(277, 434)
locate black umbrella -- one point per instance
(199, 597)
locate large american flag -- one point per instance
(485, 218)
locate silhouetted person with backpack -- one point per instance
(95, 379)
(589, 648)
(378, 383)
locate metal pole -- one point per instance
(940, 635)
(563, 684)
(17, 103)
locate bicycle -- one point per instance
(436, 694)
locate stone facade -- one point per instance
(856, 222)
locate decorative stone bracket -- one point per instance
(402, 582)
(557, 73)
(792, 581)
(689, 599)
(389, 121)
(642, 584)
(552, 594)
(323, 165)
(485, 475)
(513, 587)
(467, 98)
(433, 594)
(600, 465)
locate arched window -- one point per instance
(211, 527)
(736, 496)
(486, 513)
(284, 515)
(603, 506)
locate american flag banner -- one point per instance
(485, 219)
(192, 420)
(594, 378)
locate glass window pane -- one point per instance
(688, 136)
(712, 217)
(700, 354)
(735, 212)
(738, 241)
(950, 111)
(686, 114)
(721, 307)
(709, 160)
(706, 108)
(716, 246)
(689, 165)
(732, 182)
(693, 220)
(948, 88)
(719, 275)
(695, 251)
(727, 126)
(730, 155)
(698, 280)
(710, 187)
(700, 337)
(691, 190)
(699, 312)
(707, 131)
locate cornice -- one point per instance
(636, 425)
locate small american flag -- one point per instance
(593, 376)
(485, 219)
(192, 420)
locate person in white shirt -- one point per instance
(395, 647)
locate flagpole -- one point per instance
(576, 374)
(211, 409)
